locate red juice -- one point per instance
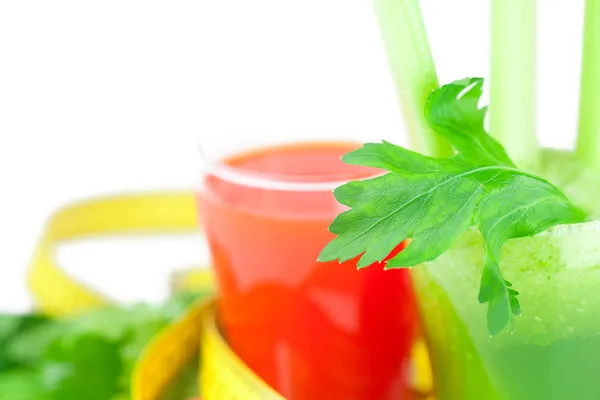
(310, 330)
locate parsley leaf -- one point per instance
(13, 328)
(433, 201)
(82, 366)
(86, 356)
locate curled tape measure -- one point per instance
(223, 376)
(58, 294)
(221, 368)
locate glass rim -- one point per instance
(561, 230)
(214, 166)
(569, 229)
(217, 167)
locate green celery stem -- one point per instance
(588, 141)
(512, 81)
(413, 70)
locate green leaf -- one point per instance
(131, 328)
(433, 201)
(87, 356)
(20, 343)
(454, 112)
(21, 384)
(82, 367)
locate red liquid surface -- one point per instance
(311, 330)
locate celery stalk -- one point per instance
(588, 141)
(413, 70)
(512, 81)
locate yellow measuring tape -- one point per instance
(223, 375)
(58, 294)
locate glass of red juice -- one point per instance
(310, 330)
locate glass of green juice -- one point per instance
(550, 352)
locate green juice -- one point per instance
(551, 352)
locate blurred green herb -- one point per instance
(90, 356)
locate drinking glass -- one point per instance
(552, 351)
(311, 330)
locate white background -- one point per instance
(110, 96)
